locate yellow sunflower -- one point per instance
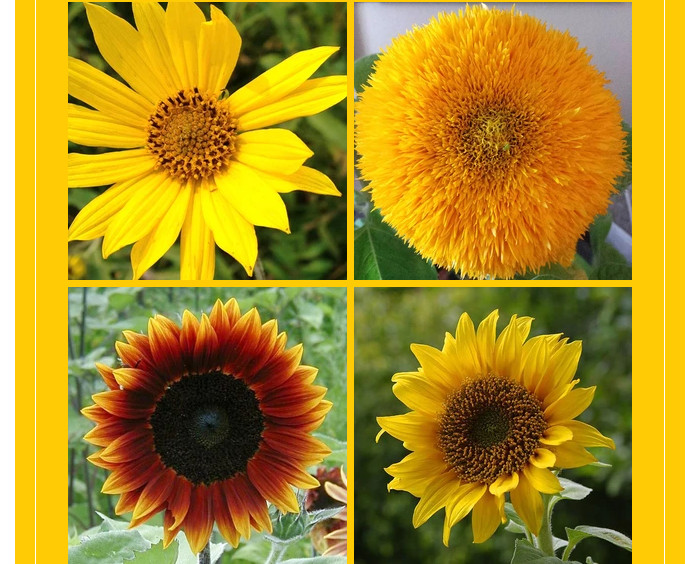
(490, 142)
(207, 423)
(490, 416)
(191, 161)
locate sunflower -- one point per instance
(191, 161)
(337, 539)
(490, 416)
(490, 142)
(207, 423)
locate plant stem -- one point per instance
(276, 552)
(71, 473)
(83, 316)
(88, 488)
(204, 557)
(545, 540)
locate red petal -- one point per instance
(139, 380)
(125, 404)
(179, 502)
(222, 515)
(200, 520)
(133, 357)
(170, 530)
(107, 375)
(292, 402)
(105, 433)
(205, 357)
(272, 488)
(127, 501)
(129, 446)
(233, 311)
(164, 337)
(131, 475)
(220, 321)
(156, 492)
(277, 370)
(188, 336)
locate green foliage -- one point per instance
(363, 68)
(525, 553)
(584, 531)
(381, 255)
(271, 32)
(388, 320)
(315, 317)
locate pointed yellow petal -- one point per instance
(150, 21)
(231, 231)
(149, 202)
(528, 504)
(572, 455)
(415, 472)
(486, 516)
(96, 129)
(535, 358)
(542, 479)
(219, 47)
(279, 81)
(122, 48)
(93, 219)
(246, 191)
(486, 341)
(588, 436)
(107, 168)
(413, 428)
(419, 393)
(462, 502)
(543, 458)
(305, 179)
(272, 150)
(107, 94)
(556, 435)
(435, 497)
(436, 367)
(183, 23)
(310, 98)
(148, 250)
(571, 405)
(504, 484)
(197, 247)
(508, 350)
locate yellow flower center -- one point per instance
(490, 427)
(192, 135)
(490, 138)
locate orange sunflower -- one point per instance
(207, 424)
(489, 142)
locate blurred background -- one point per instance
(315, 317)
(271, 32)
(388, 320)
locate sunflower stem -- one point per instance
(276, 552)
(204, 557)
(545, 540)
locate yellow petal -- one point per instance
(486, 340)
(272, 150)
(535, 359)
(528, 504)
(245, 190)
(231, 231)
(508, 349)
(97, 129)
(305, 179)
(542, 479)
(122, 48)
(435, 497)
(571, 405)
(543, 458)
(589, 436)
(310, 98)
(279, 81)
(219, 47)
(504, 484)
(94, 218)
(183, 22)
(197, 247)
(572, 455)
(415, 472)
(107, 94)
(462, 502)
(149, 202)
(150, 21)
(556, 435)
(418, 393)
(148, 250)
(486, 516)
(107, 168)
(436, 366)
(413, 428)
(466, 345)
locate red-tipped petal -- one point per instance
(164, 337)
(200, 519)
(139, 380)
(131, 475)
(222, 515)
(129, 446)
(156, 492)
(125, 403)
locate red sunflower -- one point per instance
(208, 423)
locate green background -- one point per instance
(388, 320)
(315, 317)
(271, 32)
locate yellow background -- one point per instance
(41, 461)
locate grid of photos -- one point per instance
(258, 374)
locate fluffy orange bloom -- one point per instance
(207, 424)
(490, 142)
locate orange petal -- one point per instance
(200, 519)
(155, 493)
(125, 403)
(164, 337)
(129, 446)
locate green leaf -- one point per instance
(255, 550)
(186, 556)
(599, 230)
(584, 531)
(78, 426)
(157, 555)
(109, 547)
(573, 490)
(363, 68)
(526, 553)
(381, 255)
(608, 263)
(623, 181)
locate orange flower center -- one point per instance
(490, 427)
(192, 136)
